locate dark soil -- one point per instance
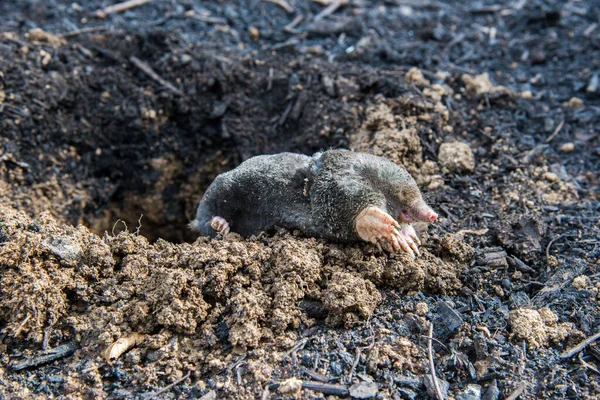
(112, 128)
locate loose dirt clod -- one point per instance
(538, 327)
(481, 84)
(40, 35)
(456, 157)
(290, 386)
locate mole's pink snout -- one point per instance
(424, 213)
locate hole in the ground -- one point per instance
(158, 153)
(159, 200)
(164, 207)
(155, 185)
(117, 145)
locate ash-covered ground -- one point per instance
(114, 123)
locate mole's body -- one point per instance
(336, 194)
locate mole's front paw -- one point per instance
(376, 226)
(220, 225)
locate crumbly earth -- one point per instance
(111, 134)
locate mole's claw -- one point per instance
(413, 236)
(396, 241)
(406, 247)
(414, 246)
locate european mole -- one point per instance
(339, 195)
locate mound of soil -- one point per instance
(113, 128)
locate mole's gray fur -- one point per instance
(319, 195)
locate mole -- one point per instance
(339, 195)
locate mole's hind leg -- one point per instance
(376, 226)
(207, 221)
(220, 225)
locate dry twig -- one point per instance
(572, 351)
(51, 355)
(168, 387)
(479, 232)
(289, 28)
(330, 9)
(150, 72)
(83, 30)
(283, 4)
(556, 131)
(438, 391)
(119, 7)
(325, 388)
(517, 392)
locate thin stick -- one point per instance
(283, 4)
(571, 352)
(550, 245)
(431, 365)
(330, 9)
(558, 128)
(517, 392)
(58, 352)
(435, 340)
(588, 365)
(298, 346)
(150, 72)
(588, 31)
(354, 364)
(325, 388)
(479, 232)
(168, 387)
(120, 7)
(290, 27)
(83, 30)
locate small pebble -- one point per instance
(575, 102)
(364, 390)
(527, 94)
(538, 56)
(254, 33)
(186, 59)
(567, 147)
(551, 177)
(471, 392)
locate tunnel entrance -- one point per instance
(105, 144)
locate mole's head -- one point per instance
(403, 195)
(411, 207)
